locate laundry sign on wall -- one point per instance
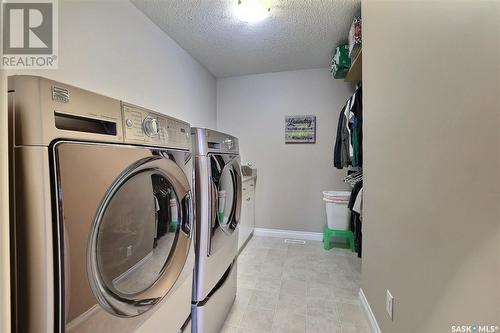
(300, 129)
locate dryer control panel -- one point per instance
(144, 126)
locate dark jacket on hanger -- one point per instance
(354, 194)
(337, 157)
(345, 157)
(355, 222)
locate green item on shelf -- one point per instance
(341, 56)
(341, 62)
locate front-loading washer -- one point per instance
(103, 217)
(218, 208)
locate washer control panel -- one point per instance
(147, 127)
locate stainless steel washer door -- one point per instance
(225, 197)
(139, 229)
(126, 216)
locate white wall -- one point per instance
(111, 48)
(290, 177)
(431, 226)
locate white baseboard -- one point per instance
(305, 235)
(368, 312)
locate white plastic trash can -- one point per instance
(337, 213)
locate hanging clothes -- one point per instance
(354, 194)
(355, 147)
(355, 203)
(337, 157)
(358, 235)
(358, 204)
(356, 125)
(347, 132)
(348, 149)
(345, 157)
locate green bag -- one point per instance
(341, 62)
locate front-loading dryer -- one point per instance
(103, 215)
(218, 208)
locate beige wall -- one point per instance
(290, 177)
(432, 171)
(111, 48)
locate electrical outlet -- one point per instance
(129, 250)
(389, 304)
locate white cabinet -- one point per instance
(247, 220)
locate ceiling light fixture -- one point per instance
(251, 11)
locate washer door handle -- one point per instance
(187, 214)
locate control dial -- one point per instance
(150, 126)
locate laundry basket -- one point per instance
(337, 212)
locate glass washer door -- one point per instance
(140, 237)
(226, 192)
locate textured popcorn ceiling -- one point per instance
(298, 34)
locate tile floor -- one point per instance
(296, 288)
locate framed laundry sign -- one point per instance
(300, 129)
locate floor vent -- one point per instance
(295, 241)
